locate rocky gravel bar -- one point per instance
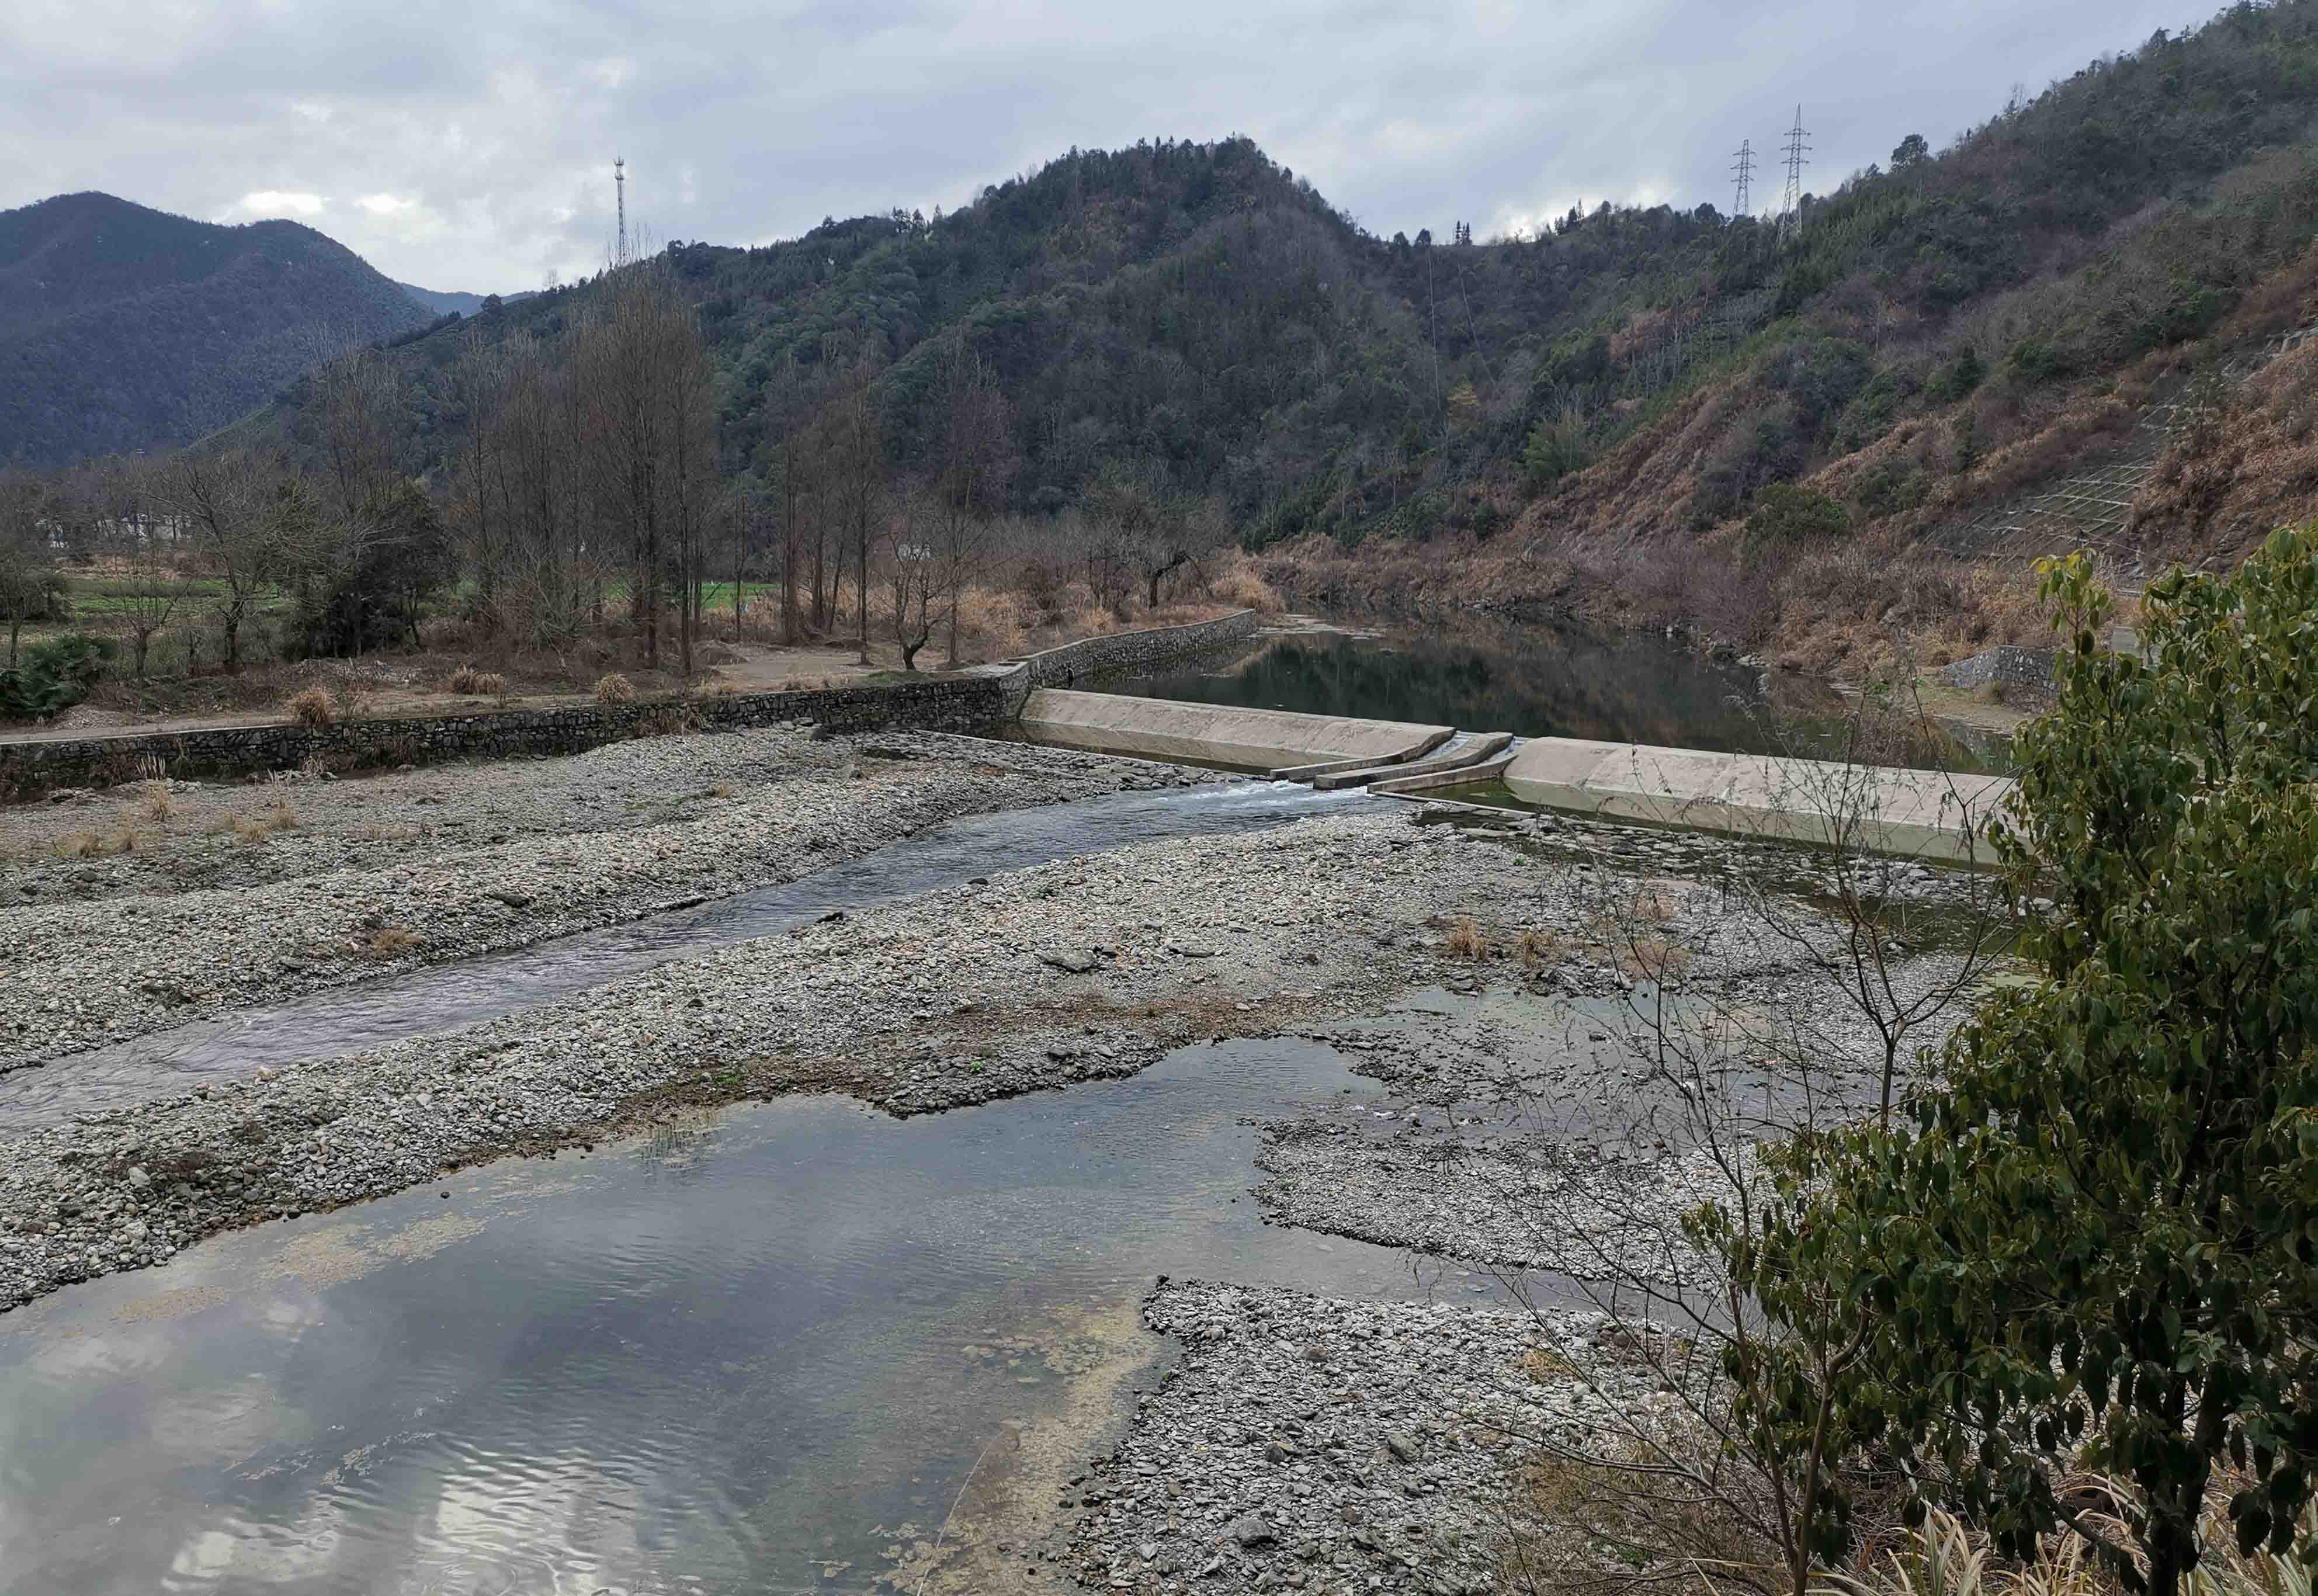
(1033, 979)
(1306, 1443)
(330, 884)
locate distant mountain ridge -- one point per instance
(443, 302)
(123, 328)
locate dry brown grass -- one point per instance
(1466, 939)
(1235, 580)
(387, 831)
(123, 839)
(476, 683)
(612, 687)
(280, 815)
(389, 942)
(1653, 907)
(1540, 946)
(721, 790)
(1583, 1531)
(994, 625)
(1653, 958)
(312, 707)
(153, 800)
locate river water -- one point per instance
(766, 1353)
(450, 997)
(1535, 681)
(788, 1346)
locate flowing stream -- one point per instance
(449, 996)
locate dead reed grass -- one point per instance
(312, 707)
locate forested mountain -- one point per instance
(1918, 345)
(123, 328)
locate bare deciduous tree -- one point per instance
(224, 506)
(126, 509)
(917, 573)
(27, 574)
(856, 465)
(977, 458)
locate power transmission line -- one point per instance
(1744, 166)
(1790, 205)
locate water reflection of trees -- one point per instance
(1533, 681)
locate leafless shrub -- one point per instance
(80, 845)
(615, 688)
(1683, 1488)
(154, 802)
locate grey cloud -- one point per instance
(500, 120)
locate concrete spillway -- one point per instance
(1885, 811)
(1262, 740)
(1921, 813)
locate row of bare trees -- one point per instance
(200, 541)
(581, 492)
(586, 476)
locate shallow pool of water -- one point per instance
(450, 997)
(759, 1354)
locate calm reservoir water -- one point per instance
(1532, 681)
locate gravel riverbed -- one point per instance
(537, 850)
(1082, 969)
(1298, 1442)
(1306, 1443)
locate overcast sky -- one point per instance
(468, 145)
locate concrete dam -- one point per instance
(1934, 814)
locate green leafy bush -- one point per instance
(2093, 1241)
(52, 676)
(1786, 515)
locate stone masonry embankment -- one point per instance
(954, 703)
(1122, 651)
(970, 702)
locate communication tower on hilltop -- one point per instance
(1791, 206)
(620, 182)
(1745, 168)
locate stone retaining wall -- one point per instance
(955, 704)
(2025, 675)
(970, 702)
(1122, 651)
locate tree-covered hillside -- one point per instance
(125, 328)
(1920, 345)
